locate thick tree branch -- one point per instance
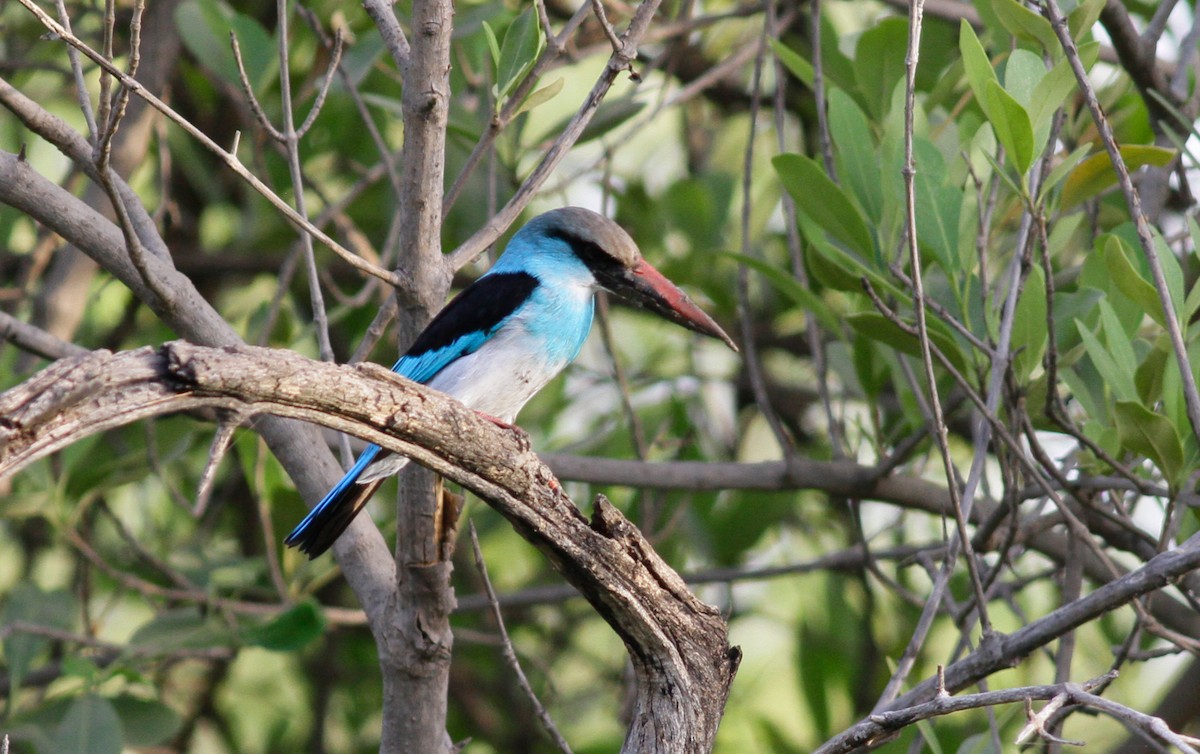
(414, 648)
(677, 644)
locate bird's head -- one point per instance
(618, 267)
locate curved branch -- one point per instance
(678, 645)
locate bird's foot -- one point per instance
(522, 435)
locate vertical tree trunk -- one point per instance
(414, 649)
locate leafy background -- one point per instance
(130, 623)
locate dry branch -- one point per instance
(677, 644)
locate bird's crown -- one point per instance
(594, 238)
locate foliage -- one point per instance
(132, 619)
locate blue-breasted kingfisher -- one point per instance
(499, 341)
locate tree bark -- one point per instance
(415, 652)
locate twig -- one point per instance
(393, 37)
(385, 154)
(510, 654)
(117, 112)
(1080, 694)
(81, 92)
(939, 427)
(267, 530)
(180, 580)
(1037, 725)
(36, 340)
(248, 89)
(613, 39)
(750, 357)
(334, 615)
(943, 703)
(227, 424)
(849, 560)
(1158, 22)
(819, 90)
(18, 627)
(812, 328)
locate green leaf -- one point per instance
(610, 115)
(800, 68)
(975, 63)
(1026, 25)
(1070, 306)
(1129, 281)
(180, 628)
(1012, 125)
(1063, 168)
(979, 743)
(879, 63)
(90, 727)
(292, 629)
(878, 327)
(493, 44)
(823, 201)
(1152, 435)
(205, 25)
(1096, 173)
(542, 95)
(827, 263)
(870, 367)
(1172, 273)
(815, 658)
(1023, 72)
(29, 604)
(519, 51)
(857, 156)
(1120, 346)
(1030, 335)
(938, 206)
(146, 722)
(1087, 389)
(1081, 20)
(840, 270)
(1055, 87)
(1149, 375)
(1117, 378)
(360, 58)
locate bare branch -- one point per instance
(394, 40)
(510, 654)
(36, 340)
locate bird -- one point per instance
(506, 335)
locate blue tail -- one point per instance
(326, 522)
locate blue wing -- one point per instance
(467, 322)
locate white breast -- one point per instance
(501, 376)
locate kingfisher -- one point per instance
(499, 341)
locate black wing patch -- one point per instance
(479, 309)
